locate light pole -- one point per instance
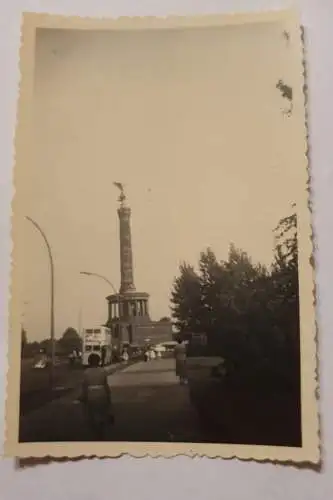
(80, 320)
(102, 278)
(39, 229)
(111, 285)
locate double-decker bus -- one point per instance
(98, 341)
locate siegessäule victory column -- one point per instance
(128, 310)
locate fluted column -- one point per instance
(126, 257)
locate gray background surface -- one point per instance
(181, 478)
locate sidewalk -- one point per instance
(151, 405)
(157, 372)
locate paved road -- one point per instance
(149, 404)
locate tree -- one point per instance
(46, 345)
(248, 312)
(186, 299)
(285, 273)
(211, 288)
(286, 290)
(70, 340)
(24, 339)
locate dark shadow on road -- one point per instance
(142, 413)
(149, 413)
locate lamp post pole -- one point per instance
(39, 229)
(80, 320)
(110, 284)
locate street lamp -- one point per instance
(39, 229)
(101, 277)
(85, 273)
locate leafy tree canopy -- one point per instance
(70, 340)
(248, 312)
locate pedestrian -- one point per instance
(125, 356)
(96, 398)
(146, 355)
(180, 355)
(72, 357)
(103, 355)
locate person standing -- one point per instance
(125, 356)
(96, 398)
(103, 355)
(180, 356)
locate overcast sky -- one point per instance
(190, 121)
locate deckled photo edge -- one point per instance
(312, 259)
(21, 141)
(307, 289)
(310, 450)
(46, 20)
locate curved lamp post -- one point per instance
(39, 229)
(109, 283)
(102, 278)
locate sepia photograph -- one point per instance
(162, 297)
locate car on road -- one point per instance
(41, 361)
(40, 364)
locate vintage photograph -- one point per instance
(162, 281)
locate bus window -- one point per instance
(89, 330)
(96, 348)
(88, 348)
(98, 330)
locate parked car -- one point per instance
(41, 363)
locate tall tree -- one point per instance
(70, 340)
(212, 288)
(286, 288)
(24, 339)
(186, 299)
(248, 312)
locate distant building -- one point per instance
(128, 311)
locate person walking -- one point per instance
(180, 356)
(96, 398)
